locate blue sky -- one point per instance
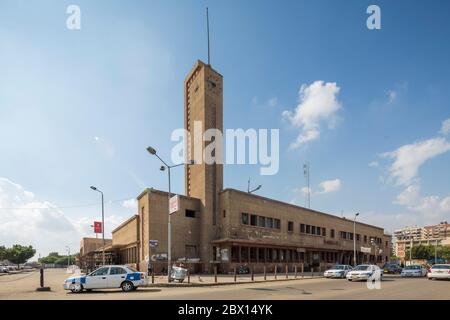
(78, 108)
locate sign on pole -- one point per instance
(174, 204)
(366, 250)
(153, 243)
(97, 227)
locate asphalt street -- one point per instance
(22, 286)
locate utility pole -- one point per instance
(308, 190)
(68, 256)
(354, 239)
(410, 245)
(103, 223)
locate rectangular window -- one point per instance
(189, 213)
(365, 238)
(277, 223)
(313, 230)
(350, 236)
(332, 233)
(324, 232)
(302, 228)
(261, 221)
(343, 235)
(269, 222)
(224, 213)
(318, 231)
(253, 220)
(308, 229)
(358, 237)
(244, 218)
(290, 226)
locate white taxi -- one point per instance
(107, 277)
(365, 272)
(337, 271)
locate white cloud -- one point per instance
(445, 129)
(272, 102)
(27, 220)
(373, 164)
(409, 158)
(330, 186)
(130, 204)
(430, 208)
(318, 105)
(409, 197)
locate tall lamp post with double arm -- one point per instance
(103, 223)
(165, 166)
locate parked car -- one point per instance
(114, 276)
(337, 271)
(365, 272)
(439, 271)
(416, 270)
(392, 269)
(4, 269)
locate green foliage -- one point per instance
(2, 252)
(19, 254)
(55, 258)
(428, 252)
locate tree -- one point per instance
(2, 253)
(55, 258)
(19, 254)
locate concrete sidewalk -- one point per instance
(202, 280)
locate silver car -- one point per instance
(439, 271)
(337, 271)
(416, 270)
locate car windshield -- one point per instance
(361, 268)
(441, 267)
(338, 267)
(412, 267)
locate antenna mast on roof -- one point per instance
(308, 190)
(207, 29)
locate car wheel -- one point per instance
(349, 279)
(127, 286)
(76, 288)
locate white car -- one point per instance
(337, 271)
(439, 271)
(365, 272)
(416, 270)
(107, 277)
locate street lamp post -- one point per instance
(103, 223)
(354, 239)
(68, 256)
(153, 152)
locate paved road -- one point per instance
(23, 287)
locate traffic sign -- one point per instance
(153, 243)
(174, 204)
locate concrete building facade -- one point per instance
(227, 228)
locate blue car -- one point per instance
(107, 277)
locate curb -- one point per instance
(193, 285)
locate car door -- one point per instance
(97, 279)
(117, 275)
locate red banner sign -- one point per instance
(97, 227)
